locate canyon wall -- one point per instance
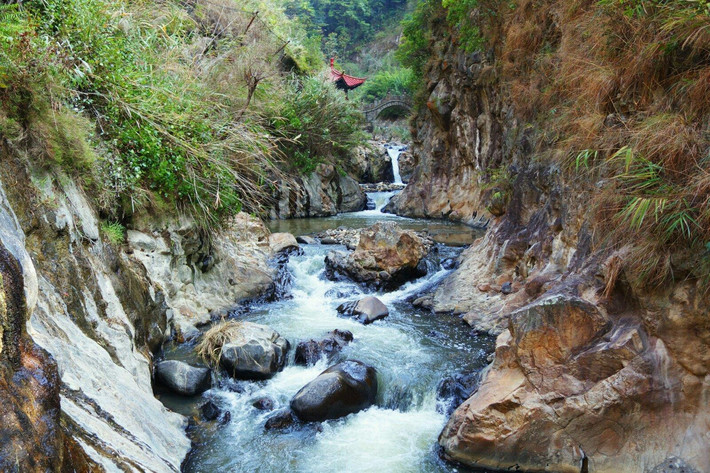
(76, 382)
(593, 372)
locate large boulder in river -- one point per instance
(310, 351)
(366, 310)
(386, 257)
(343, 389)
(182, 378)
(254, 352)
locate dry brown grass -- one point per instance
(210, 347)
(639, 83)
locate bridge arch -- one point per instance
(373, 110)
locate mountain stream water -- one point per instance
(413, 350)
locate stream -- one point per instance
(413, 351)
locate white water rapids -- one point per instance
(412, 351)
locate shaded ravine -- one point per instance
(413, 351)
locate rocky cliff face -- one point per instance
(101, 311)
(29, 388)
(322, 193)
(592, 372)
(456, 137)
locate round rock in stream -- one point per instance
(366, 310)
(310, 351)
(256, 352)
(182, 378)
(343, 389)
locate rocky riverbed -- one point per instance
(353, 365)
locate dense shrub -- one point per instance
(396, 81)
(315, 121)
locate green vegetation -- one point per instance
(396, 81)
(315, 123)
(345, 25)
(621, 87)
(155, 105)
(114, 231)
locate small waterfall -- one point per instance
(394, 152)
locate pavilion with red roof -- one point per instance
(342, 80)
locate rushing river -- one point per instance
(412, 350)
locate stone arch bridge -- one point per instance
(373, 110)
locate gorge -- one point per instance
(204, 278)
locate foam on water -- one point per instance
(394, 152)
(397, 435)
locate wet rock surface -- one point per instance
(310, 351)
(183, 378)
(258, 352)
(371, 164)
(281, 420)
(366, 310)
(340, 390)
(264, 404)
(382, 187)
(386, 257)
(322, 193)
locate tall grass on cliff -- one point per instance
(625, 85)
(172, 92)
(314, 122)
(620, 93)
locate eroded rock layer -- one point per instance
(592, 371)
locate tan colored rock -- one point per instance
(279, 242)
(386, 256)
(200, 277)
(386, 247)
(366, 310)
(568, 383)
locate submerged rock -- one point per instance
(210, 410)
(182, 378)
(343, 389)
(256, 352)
(264, 404)
(453, 390)
(386, 257)
(366, 310)
(280, 420)
(310, 351)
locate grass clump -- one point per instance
(172, 98)
(210, 346)
(115, 232)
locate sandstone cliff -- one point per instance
(593, 370)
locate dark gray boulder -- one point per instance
(257, 353)
(210, 411)
(310, 351)
(280, 420)
(343, 389)
(264, 404)
(366, 310)
(182, 378)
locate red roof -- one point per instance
(343, 79)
